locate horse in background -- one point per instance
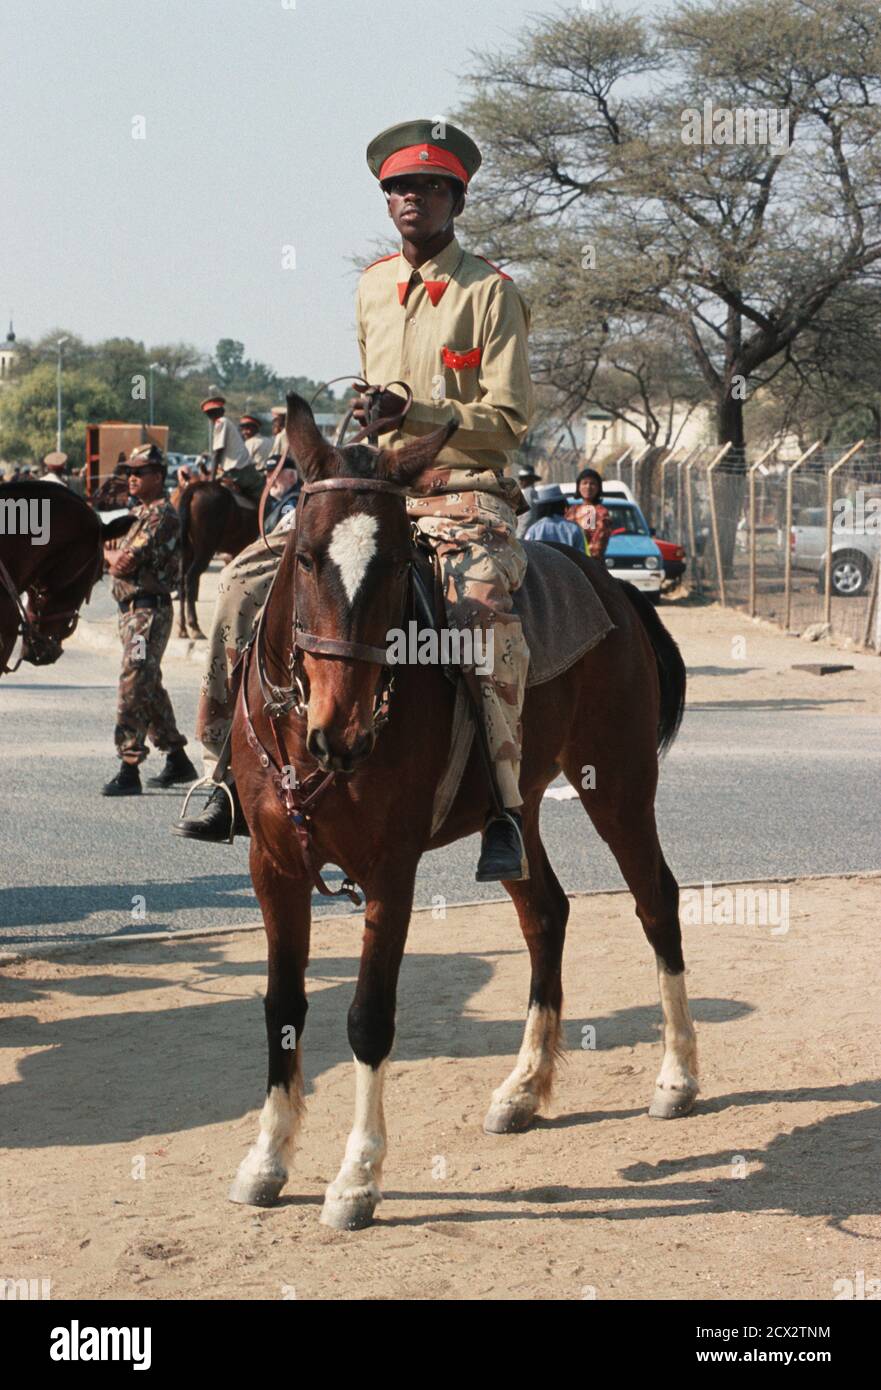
(51, 556)
(211, 521)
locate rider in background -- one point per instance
(284, 495)
(594, 519)
(232, 461)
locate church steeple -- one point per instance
(10, 336)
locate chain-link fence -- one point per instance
(794, 540)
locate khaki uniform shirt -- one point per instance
(456, 332)
(277, 444)
(228, 438)
(259, 448)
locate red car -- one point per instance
(674, 558)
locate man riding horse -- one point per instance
(454, 328)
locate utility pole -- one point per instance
(58, 345)
(154, 367)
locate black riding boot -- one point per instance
(178, 768)
(503, 855)
(127, 782)
(213, 823)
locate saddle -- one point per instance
(562, 618)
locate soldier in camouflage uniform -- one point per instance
(455, 329)
(144, 569)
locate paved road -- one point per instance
(745, 793)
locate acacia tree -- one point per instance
(730, 249)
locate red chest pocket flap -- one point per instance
(458, 361)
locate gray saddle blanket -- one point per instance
(561, 614)
(562, 618)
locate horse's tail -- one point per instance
(671, 667)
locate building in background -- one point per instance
(8, 355)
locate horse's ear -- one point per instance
(405, 464)
(309, 449)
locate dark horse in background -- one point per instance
(345, 575)
(211, 522)
(51, 556)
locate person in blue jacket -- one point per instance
(551, 525)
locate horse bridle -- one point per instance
(41, 649)
(375, 425)
(299, 798)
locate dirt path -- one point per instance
(149, 1057)
(735, 661)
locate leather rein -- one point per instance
(300, 797)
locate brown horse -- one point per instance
(50, 558)
(211, 521)
(342, 586)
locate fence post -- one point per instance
(682, 533)
(711, 495)
(827, 597)
(752, 528)
(669, 456)
(634, 474)
(692, 544)
(787, 558)
(872, 606)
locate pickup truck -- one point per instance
(854, 553)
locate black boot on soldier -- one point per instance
(503, 855)
(178, 768)
(213, 823)
(127, 782)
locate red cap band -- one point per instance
(420, 159)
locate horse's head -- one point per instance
(350, 570)
(53, 602)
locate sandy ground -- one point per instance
(149, 1058)
(743, 663)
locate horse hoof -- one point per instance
(198, 635)
(508, 1119)
(354, 1214)
(256, 1190)
(670, 1103)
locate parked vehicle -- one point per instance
(854, 553)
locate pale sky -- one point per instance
(257, 114)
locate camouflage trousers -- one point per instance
(143, 708)
(241, 593)
(482, 564)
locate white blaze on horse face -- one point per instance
(352, 547)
